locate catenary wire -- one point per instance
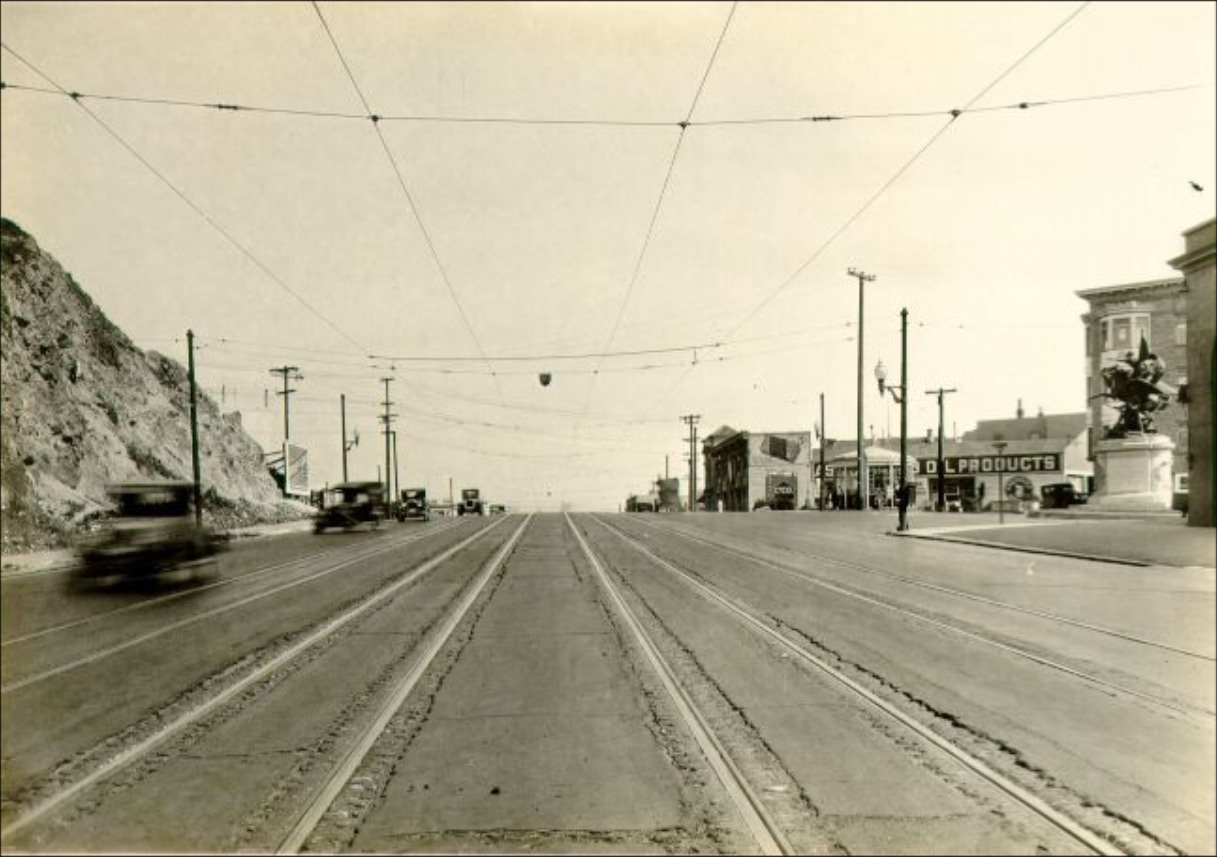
(406, 190)
(663, 190)
(224, 233)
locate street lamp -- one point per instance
(999, 445)
(900, 395)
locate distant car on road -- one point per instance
(413, 505)
(1060, 495)
(351, 504)
(471, 502)
(152, 530)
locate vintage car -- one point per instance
(152, 529)
(351, 504)
(1060, 495)
(413, 505)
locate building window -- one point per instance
(1124, 332)
(1181, 333)
(1180, 483)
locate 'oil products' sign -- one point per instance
(968, 465)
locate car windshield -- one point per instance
(153, 504)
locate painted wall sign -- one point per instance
(969, 465)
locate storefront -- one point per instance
(975, 475)
(841, 484)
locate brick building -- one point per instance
(1119, 317)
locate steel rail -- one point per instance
(336, 782)
(189, 620)
(959, 593)
(1045, 810)
(1178, 708)
(126, 757)
(759, 821)
(242, 578)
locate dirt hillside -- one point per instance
(81, 406)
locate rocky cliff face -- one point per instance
(81, 406)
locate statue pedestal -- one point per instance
(1137, 474)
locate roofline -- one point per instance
(1128, 287)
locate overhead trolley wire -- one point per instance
(245, 251)
(405, 190)
(646, 243)
(223, 107)
(955, 114)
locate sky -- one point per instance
(631, 197)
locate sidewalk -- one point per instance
(1158, 541)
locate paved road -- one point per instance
(614, 683)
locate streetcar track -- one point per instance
(756, 816)
(189, 620)
(367, 553)
(912, 581)
(1061, 821)
(316, 808)
(143, 747)
(1194, 713)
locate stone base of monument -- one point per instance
(1137, 474)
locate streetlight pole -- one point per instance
(1000, 445)
(900, 394)
(863, 487)
(823, 441)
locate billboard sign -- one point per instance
(296, 477)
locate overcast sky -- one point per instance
(305, 235)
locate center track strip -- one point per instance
(757, 818)
(1063, 822)
(1192, 712)
(190, 620)
(333, 786)
(243, 578)
(141, 749)
(958, 593)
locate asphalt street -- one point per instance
(638, 683)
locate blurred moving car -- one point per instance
(1060, 495)
(413, 505)
(351, 504)
(151, 530)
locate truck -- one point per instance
(471, 502)
(413, 505)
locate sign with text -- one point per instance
(970, 465)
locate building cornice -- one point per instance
(1166, 286)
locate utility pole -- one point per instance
(342, 401)
(904, 421)
(194, 433)
(823, 441)
(291, 373)
(941, 502)
(691, 421)
(387, 419)
(396, 479)
(863, 486)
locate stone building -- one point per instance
(1197, 266)
(1118, 317)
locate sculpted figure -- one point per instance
(1135, 381)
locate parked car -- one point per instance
(151, 530)
(1060, 495)
(351, 504)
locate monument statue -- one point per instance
(1135, 380)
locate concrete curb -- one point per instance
(1025, 549)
